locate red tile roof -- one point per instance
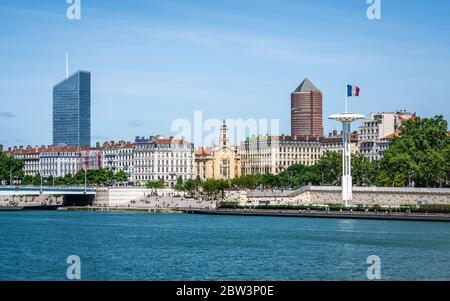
(25, 151)
(392, 135)
(62, 149)
(171, 141)
(117, 146)
(202, 152)
(49, 149)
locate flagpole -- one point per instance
(346, 99)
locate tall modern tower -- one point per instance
(306, 110)
(72, 110)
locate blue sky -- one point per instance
(156, 61)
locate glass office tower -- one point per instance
(72, 110)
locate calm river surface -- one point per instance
(139, 246)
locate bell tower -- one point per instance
(224, 141)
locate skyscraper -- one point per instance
(72, 110)
(306, 110)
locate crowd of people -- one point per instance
(155, 201)
(30, 201)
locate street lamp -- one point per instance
(290, 179)
(410, 172)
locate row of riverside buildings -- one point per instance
(146, 159)
(157, 158)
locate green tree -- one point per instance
(328, 170)
(296, 175)
(192, 186)
(419, 154)
(179, 185)
(270, 181)
(155, 184)
(210, 187)
(362, 171)
(27, 180)
(222, 185)
(36, 181)
(121, 176)
(10, 167)
(67, 180)
(246, 181)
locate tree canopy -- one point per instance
(10, 168)
(421, 154)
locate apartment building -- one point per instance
(274, 154)
(118, 156)
(374, 133)
(162, 159)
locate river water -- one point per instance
(142, 246)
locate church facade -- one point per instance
(221, 162)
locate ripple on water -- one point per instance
(142, 246)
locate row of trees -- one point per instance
(419, 156)
(296, 175)
(210, 186)
(11, 172)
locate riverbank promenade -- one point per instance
(436, 217)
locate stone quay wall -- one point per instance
(122, 196)
(30, 200)
(140, 198)
(317, 195)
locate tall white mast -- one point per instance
(67, 65)
(347, 184)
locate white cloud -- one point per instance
(137, 123)
(7, 115)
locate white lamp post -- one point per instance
(346, 119)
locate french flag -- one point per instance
(352, 90)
